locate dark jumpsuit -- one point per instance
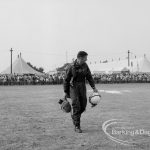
(75, 88)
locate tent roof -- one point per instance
(51, 72)
(19, 66)
(141, 65)
(136, 65)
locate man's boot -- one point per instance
(78, 129)
(76, 123)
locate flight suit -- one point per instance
(75, 88)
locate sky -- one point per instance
(49, 33)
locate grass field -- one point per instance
(31, 119)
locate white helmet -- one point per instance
(95, 98)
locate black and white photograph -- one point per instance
(74, 75)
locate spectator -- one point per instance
(59, 78)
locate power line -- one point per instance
(46, 53)
(65, 55)
(62, 54)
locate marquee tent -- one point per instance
(19, 66)
(136, 65)
(140, 65)
(51, 72)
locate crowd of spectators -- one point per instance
(28, 79)
(122, 78)
(59, 77)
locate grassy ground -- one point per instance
(31, 119)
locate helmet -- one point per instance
(65, 106)
(95, 98)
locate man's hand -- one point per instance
(66, 95)
(95, 90)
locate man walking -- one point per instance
(75, 88)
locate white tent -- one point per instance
(109, 67)
(136, 65)
(19, 66)
(140, 65)
(51, 72)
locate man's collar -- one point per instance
(77, 64)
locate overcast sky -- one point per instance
(44, 30)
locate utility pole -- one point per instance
(128, 58)
(11, 61)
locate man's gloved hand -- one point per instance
(95, 90)
(94, 102)
(66, 95)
